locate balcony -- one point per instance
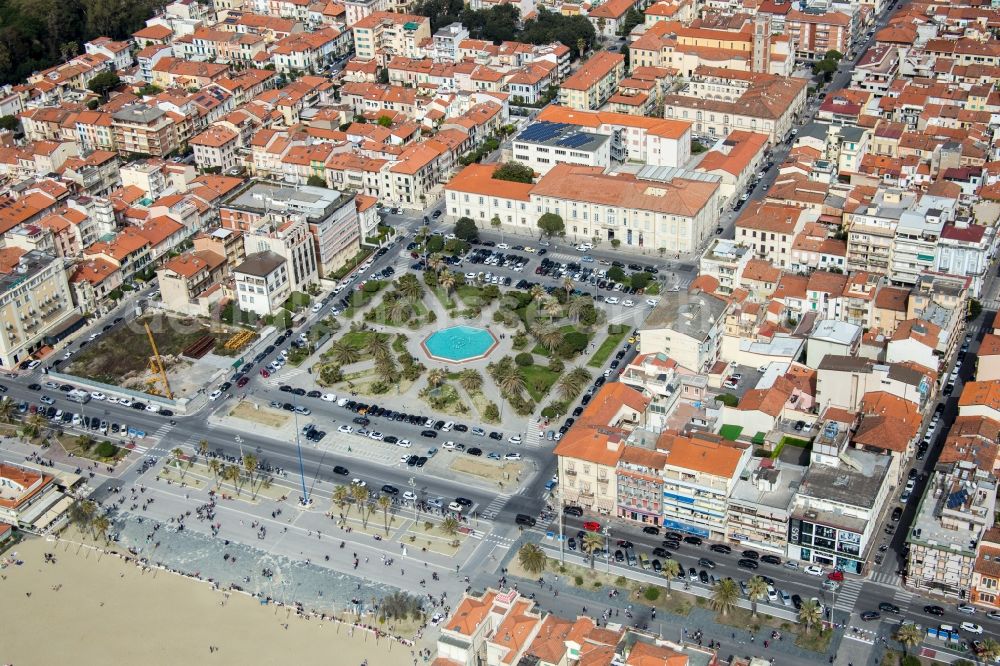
(569, 472)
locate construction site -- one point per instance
(162, 355)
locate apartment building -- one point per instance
(594, 82)
(871, 230)
(216, 148)
(985, 590)
(955, 512)
(914, 247)
(836, 509)
(188, 281)
(965, 249)
(315, 228)
(815, 32)
(35, 303)
(588, 454)
(725, 261)
(760, 505)
(640, 485)
(262, 283)
(843, 381)
(381, 36)
(698, 477)
(143, 129)
(769, 230)
(686, 327)
(717, 101)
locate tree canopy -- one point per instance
(551, 225)
(316, 181)
(37, 34)
(104, 82)
(466, 229)
(514, 172)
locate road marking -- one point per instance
(848, 594)
(494, 507)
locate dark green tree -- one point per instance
(466, 229)
(104, 82)
(551, 225)
(385, 121)
(632, 19)
(8, 123)
(514, 172)
(316, 181)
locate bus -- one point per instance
(77, 395)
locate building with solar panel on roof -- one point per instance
(543, 144)
(957, 508)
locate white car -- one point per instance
(346, 429)
(514, 439)
(437, 619)
(343, 401)
(329, 397)
(358, 482)
(67, 355)
(125, 402)
(405, 443)
(611, 300)
(971, 627)
(651, 301)
(448, 426)
(376, 435)
(503, 246)
(448, 446)
(410, 496)
(153, 407)
(34, 364)
(456, 507)
(97, 395)
(628, 302)
(814, 570)
(316, 308)
(113, 400)
(512, 456)
(470, 276)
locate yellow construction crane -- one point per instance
(156, 364)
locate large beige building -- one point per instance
(35, 303)
(594, 82)
(382, 35)
(687, 327)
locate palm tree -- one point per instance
(537, 292)
(340, 497)
(592, 542)
(250, 467)
(178, 455)
(384, 503)
(6, 410)
(32, 426)
(509, 380)
(471, 380)
(81, 513)
(572, 383)
(435, 262)
(450, 526)
(376, 346)
(100, 526)
(724, 595)
(670, 570)
(532, 558)
(576, 306)
(232, 474)
(908, 635)
(810, 614)
(203, 448)
(756, 589)
(567, 285)
(409, 286)
(360, 495)
(989, 650)
(436, 377)
(550, 337)
(447, 280)
(552, 308)
(344, 353)
(397, 310)
(215, 467)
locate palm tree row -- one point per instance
(572, 383)
(84, 514)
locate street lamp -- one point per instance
(607, 547)
(562, 548)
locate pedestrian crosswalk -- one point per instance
(533, 438)
(902, 597)
(162, 431)
(886, 578)
(493, 508)
(848, 594)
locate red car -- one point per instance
(264, 373)
(242, 382)
(592, 526)
(836, 575)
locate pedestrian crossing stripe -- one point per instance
(848, 594)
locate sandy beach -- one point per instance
(93, 608)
